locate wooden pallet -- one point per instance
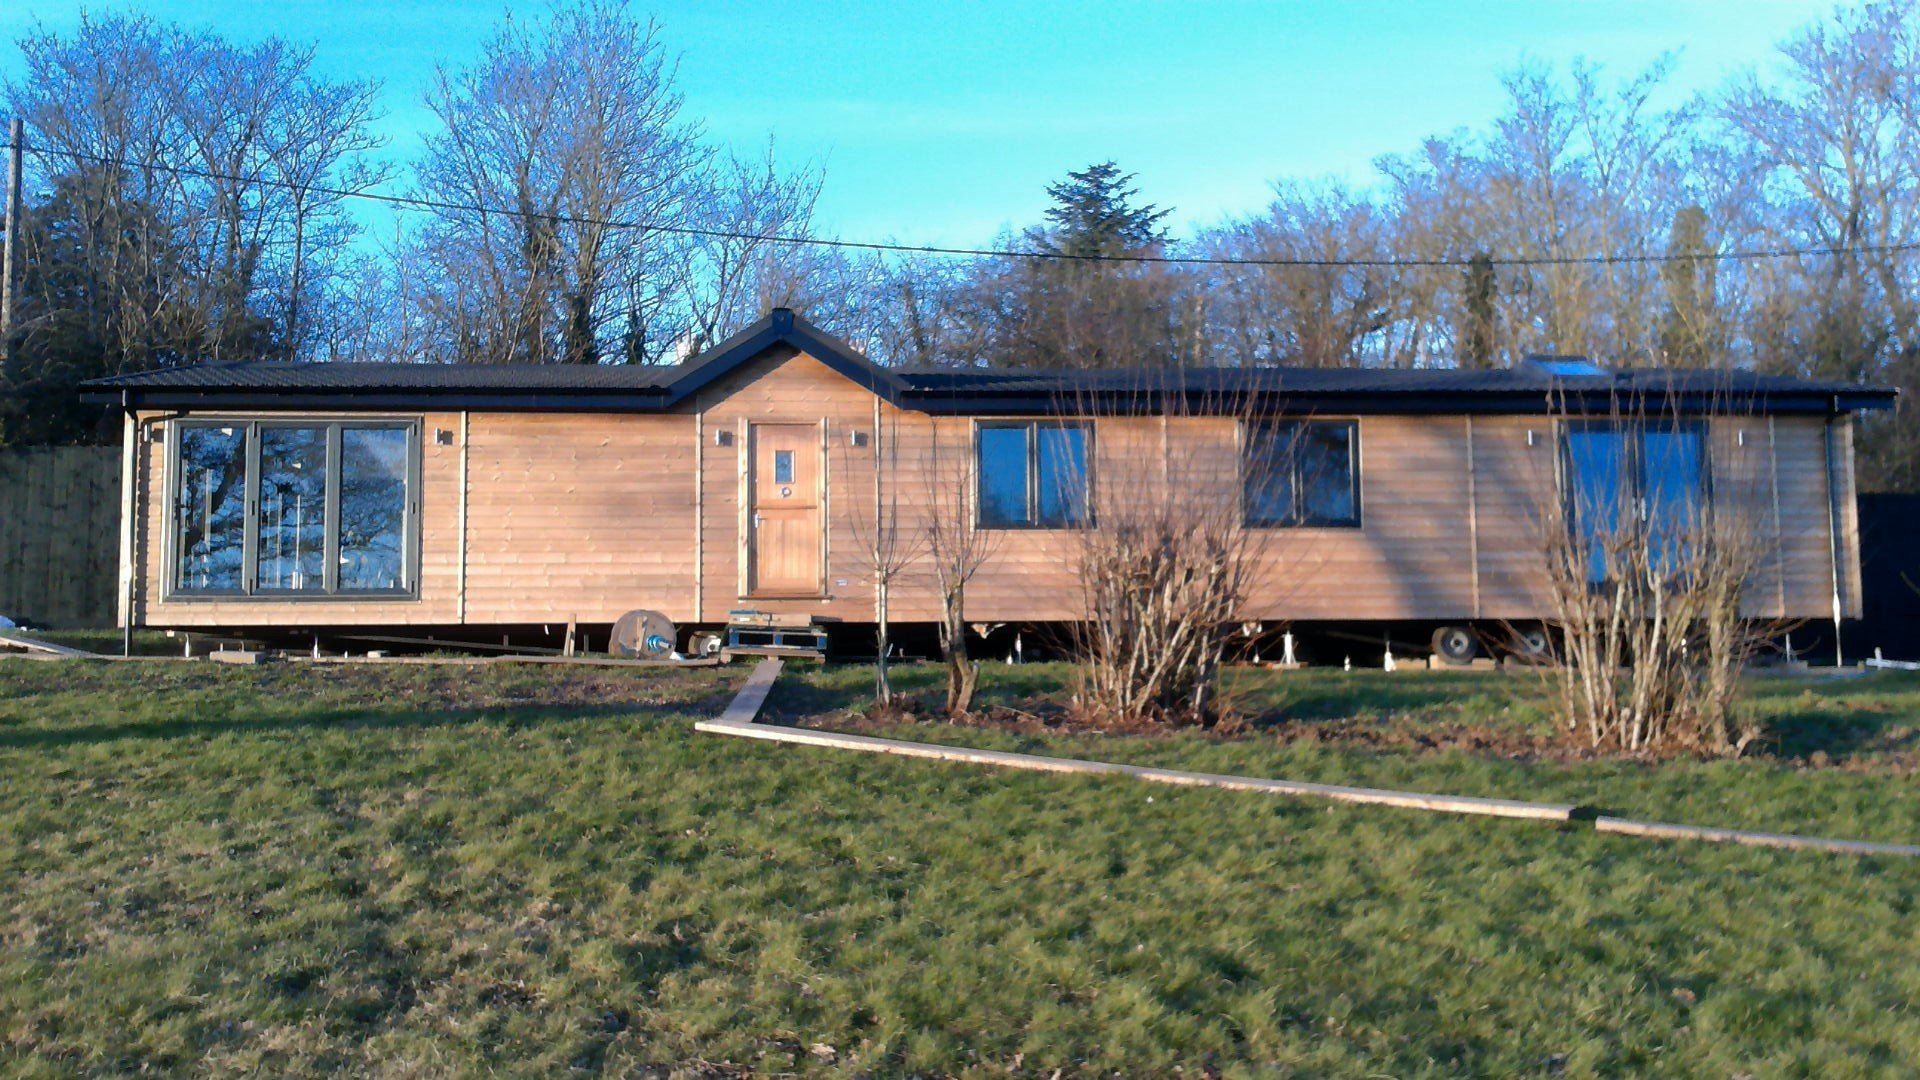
(779, 652)
(760, 639)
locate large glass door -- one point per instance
(1629, 481)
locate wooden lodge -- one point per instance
(468, 502)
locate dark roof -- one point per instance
(1526, 380)
(490, 386)
(284, 375)
(1531, 387)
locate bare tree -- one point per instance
(1827, 156)
(370, 310)
(1318, 316)
(319, 150)
(1692, 331)
(220, 146)
(730, 274)
(565, 140)
(182, 218)
(957, 549)
(887, 541)
(103, 125)
(1574, 167)
(922, 313)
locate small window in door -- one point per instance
(783, 466)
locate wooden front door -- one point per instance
(784, 536)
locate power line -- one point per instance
(414, 202)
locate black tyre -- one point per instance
(1530, 643)
(1455, 644)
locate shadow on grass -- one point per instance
(1877, 716)
(816, 691)
(1340, 695)
(1815, 735)
(347, 719)
(1266, 699)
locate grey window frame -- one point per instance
(250, 590)
(1033, 522)
(1296, 519)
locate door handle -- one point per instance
(756, 520)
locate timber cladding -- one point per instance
(547, 517)
(59, 510)
(578, 517)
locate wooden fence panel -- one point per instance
(60, 534)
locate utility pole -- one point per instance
(10, 262)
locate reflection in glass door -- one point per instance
(210, 507)
(292, 544)
(373, 508)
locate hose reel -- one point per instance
(643, 635)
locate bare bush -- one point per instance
(1163, 570)
(1648, 571)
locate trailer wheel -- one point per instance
(1455, 644)
(1531, 643)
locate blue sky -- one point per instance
(941, 122)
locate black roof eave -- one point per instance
(1393, 402)
(648, 399)
(1022, 403)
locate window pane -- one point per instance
(1063, 474)
(1675, 464)
(1003, 475)
(1597, 475)
(783, 466)
(210, 508)
(1325, 456)
(373, 508)
(293, 508)
(1269, 481)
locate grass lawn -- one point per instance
(1844, 763)
(108, 641)
(514, 870)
